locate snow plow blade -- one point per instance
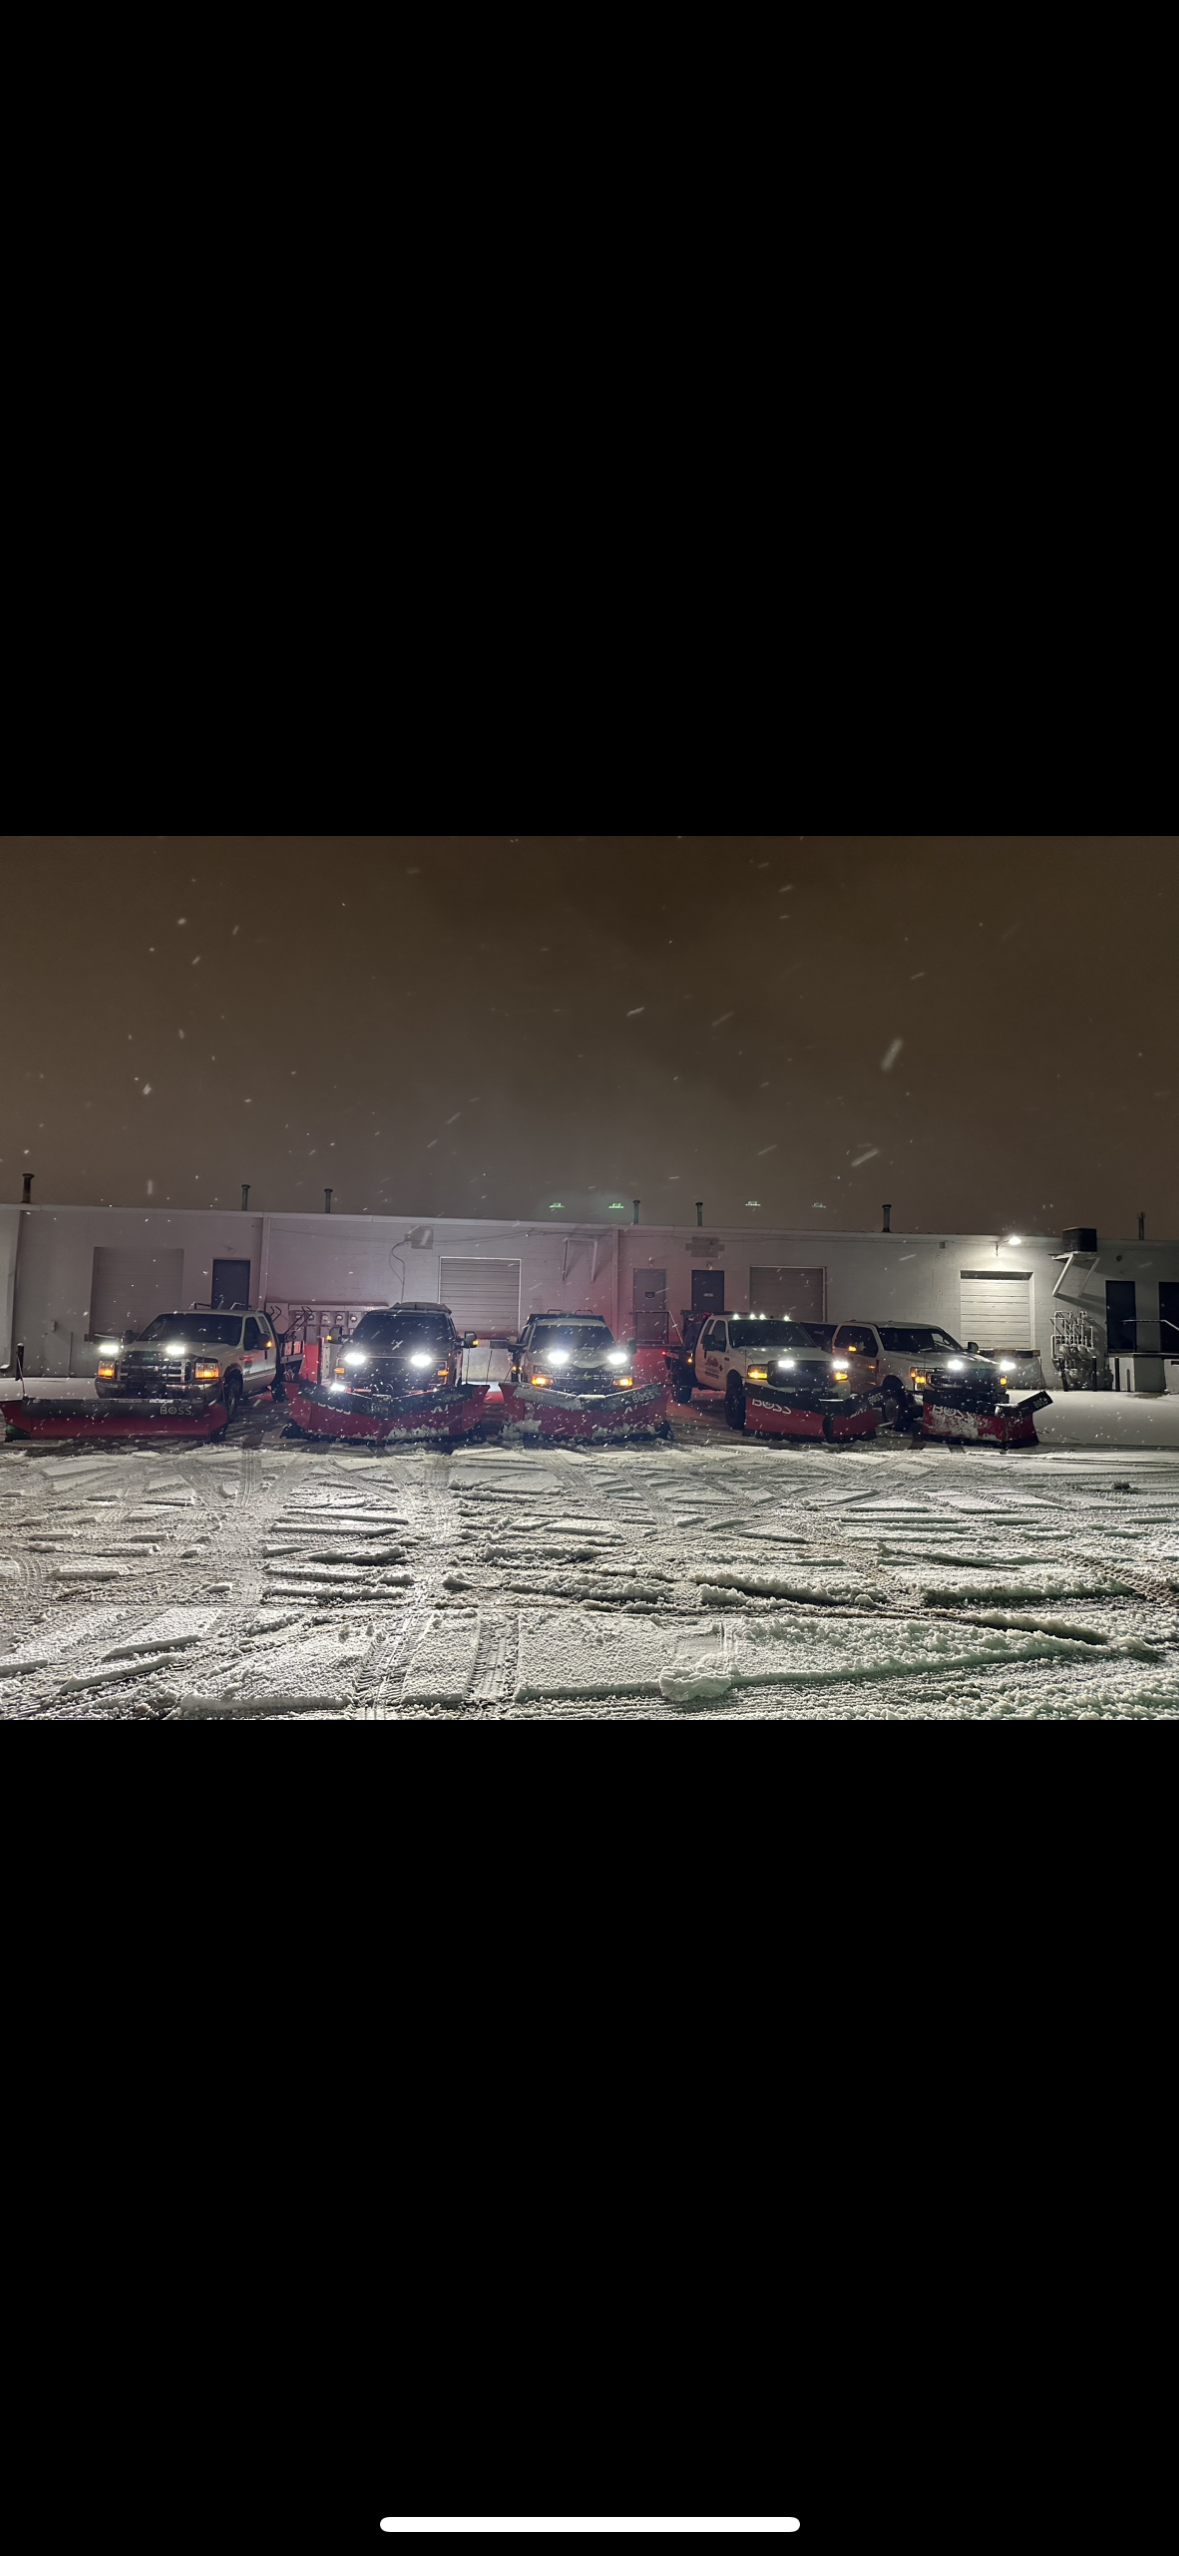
(575, 1415)
(1009, 1425)
(317, 1412)
(770, 1415)
(40, 1418)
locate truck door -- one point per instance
(710, 1356)
(252, 1356)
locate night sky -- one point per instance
(791, 1027)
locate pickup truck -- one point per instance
(192, 1360)
(764, 1349)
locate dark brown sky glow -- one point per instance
(484, 1024)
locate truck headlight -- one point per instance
(108, 1348)
(625, 1380)
(758, 1375)
(787, 1362)
(541, 1380)
(107, 1370)
(614, 1358)
(208, 1374)
(840, 1374)
(420, 1358)
(356, 1357)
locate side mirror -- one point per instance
(972, 1348)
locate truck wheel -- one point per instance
(231, 1394)
(894, 1404)
(682, 1389)
(735, 1403)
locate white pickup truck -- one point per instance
(766, 1349)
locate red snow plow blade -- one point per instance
(1012, 1425)
(575, 1415)
(320, 1413)
(766, 1417)
(39, 1418)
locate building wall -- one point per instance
(348, 1261)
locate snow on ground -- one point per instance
(1110, 1420)
(715, 1577)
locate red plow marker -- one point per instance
(317, 1412)
(38, 1417)
(765, 1417)
(552, 1414)
(1011, 1425)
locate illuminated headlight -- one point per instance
(757, 1375)
(208, 1374)
(356, 1357)
(787, 1362)
(174, 1349)
(560, 1358)
(420, 1358)
(955, 1366)
(917, 1377)
(614, 1358)
(1002, 1379)
(108, 1348)
(839, 1373)
(108, 1369)
(540, 1380)
(625, 1380)
(337, 1385)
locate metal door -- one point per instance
(708, 1291)
(796, 1292)
(1120, 1310)
(231, 1282)
(649, 1301)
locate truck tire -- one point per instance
(231, 1395)
(682, 1386)
(735, 1403)
(895, 1406)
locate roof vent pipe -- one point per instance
(636, 1209)
(1142, 1224)
(245, 1195)
(700, 1211)
(327, 1202)
(27, 1192)
(886, 1212)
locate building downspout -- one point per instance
(614, 1304)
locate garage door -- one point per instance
(997, 1308)
(483, 1295)
(798, 1292)
(128, 1287)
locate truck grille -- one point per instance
(152, 1371)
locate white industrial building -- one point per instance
(70, 1276)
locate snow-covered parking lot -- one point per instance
(711, 1578)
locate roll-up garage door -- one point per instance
(483, 1295)
(997, 1308)
(128, 1287)
(798, 1292)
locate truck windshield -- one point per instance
(915, 1337)
(206, 1331)
(773, 1334)
(401, 1331)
